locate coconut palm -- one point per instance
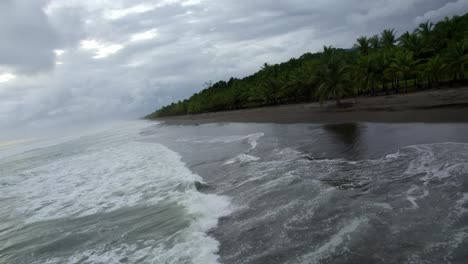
(269, 84)
(447, 31)
(333, 79)
(362, 45)
(433, 69)
(412, 42)
(361, 73)
(391, 73)
(365, 74)
(374, 42)
(425, 30)
(457, 57)
(404, 38)
(405, 65)
(388, 38)
(299, 84)
(328, 53)
(382, 63)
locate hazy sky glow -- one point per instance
(80, 61)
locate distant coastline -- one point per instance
(432, 106)
(432, 57)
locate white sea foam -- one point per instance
(435, 165)
(393, 156)
(334, 242)
(111, 176)
(431, 165)
(288, 153)
(242, 158)
(251, 139)
(102, 181)
(197, 248)
(412, 195)
(386, 206)
(462, 203)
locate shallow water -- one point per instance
(239, 193)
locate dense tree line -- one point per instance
(383, 63)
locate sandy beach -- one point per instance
(434, 106)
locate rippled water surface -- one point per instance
(239, 193)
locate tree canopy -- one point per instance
(382, 63)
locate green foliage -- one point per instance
(412, 42)
(423, 58)
(363, 44)
(388, 38)
(375, 42)
(457, 57)
(333, 76)
(405, 65)
(433, 69)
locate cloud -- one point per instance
(28, 38)
(100, 49)
(79, 61)
(123, 12)
(383, 8)
(6, 77)
(146, 35)
(459, 7)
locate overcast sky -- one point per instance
(81, 61)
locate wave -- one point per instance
(344, 203)
(334, 242)
(251, 139)
(121, 174)
(242, 158)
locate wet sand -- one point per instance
(434, 106)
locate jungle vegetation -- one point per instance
(431, 56)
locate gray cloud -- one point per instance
(459, 7)
(28, 38)
(121, 72)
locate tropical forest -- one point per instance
(432, 56)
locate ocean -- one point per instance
(143, 192)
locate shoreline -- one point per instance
(430, 106)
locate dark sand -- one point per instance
(435, 106)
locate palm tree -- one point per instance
(361, 73)
(333, 79)
(405, 40)
(448, 28)
(328, 52)
(363, 45)
(374, 42)
(425, 30)
(447, 31)
(299, 83)
(391, 73)
(433, 69)
(367, 72)
(270, 83)
(412, 42)
(382, 63)
(457, 57)
(388, 38)
(405, 65)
